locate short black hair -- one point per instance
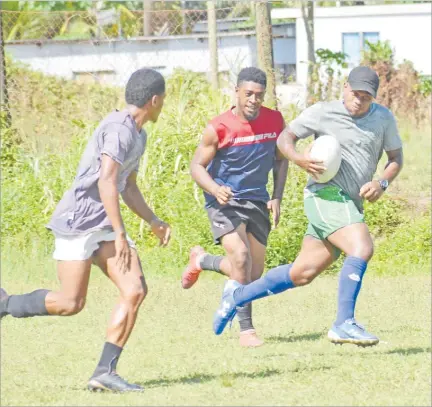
(143, 85)
(252, 74)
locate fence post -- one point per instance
(147, 15)
(264, 40)
(212, 41)
(4, 99)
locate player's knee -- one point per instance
(135, 294)
(363, 251)
(304, 276)
(242, 261)
(72, 306)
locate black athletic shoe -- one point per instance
(111, 381)
(4, 298)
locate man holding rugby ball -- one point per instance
(334, 209)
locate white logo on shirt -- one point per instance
(256, 137)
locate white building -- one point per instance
(345, 29)
(113, 60)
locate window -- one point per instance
(373, 38)
(354, 43)
(285, 73)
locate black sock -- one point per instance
(210, 262)
(244, 315)
(27, 305)
(109, 359)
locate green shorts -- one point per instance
(328, 210)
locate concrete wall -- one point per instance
(116, 60)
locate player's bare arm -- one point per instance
(134, 199)
(280, 172)
(372, 191)
(204, 154)
(109, 194)
(287, 146)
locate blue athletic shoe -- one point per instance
(4, 299)
(227, 309)
(351, 332)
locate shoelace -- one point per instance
(189, 276)
(117, 376)
(354, 322)
(232, 319)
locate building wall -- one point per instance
(114, 61)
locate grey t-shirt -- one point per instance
(363, 141)
(81, 210)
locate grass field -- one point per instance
(174, 354)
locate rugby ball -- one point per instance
(328, 150)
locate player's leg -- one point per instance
(200, 260)
(248, 336)
(238, 253)
(355, 240)
(314, 257)
(68, 300)
(132, 289)
(342, 224)
(258, 229)
(223, 220)
(73, 269)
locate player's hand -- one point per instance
(123, 253)
(311, 166)
(223, 194)
(161, 230)
(371, 191)
(274, 207)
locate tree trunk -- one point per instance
(212, 40)
(4, 99)
(307, 9)
(264, 39)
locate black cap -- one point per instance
(364, 78)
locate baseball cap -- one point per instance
(364, 78)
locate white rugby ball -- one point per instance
(328, 150)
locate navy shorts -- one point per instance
(226, 218)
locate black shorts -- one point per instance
(226, 218)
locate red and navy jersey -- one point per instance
(246, 153)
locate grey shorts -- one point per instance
(226, 218)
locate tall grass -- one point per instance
(41, 156)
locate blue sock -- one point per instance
(350, 281)
(276, 281)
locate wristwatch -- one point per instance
(383, 184)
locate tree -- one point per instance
(307, 9)
(4, 100)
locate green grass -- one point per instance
(173, 351)
(174, 354)
(414, 182)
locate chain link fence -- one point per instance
(105, 46)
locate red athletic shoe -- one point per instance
(192, 271)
